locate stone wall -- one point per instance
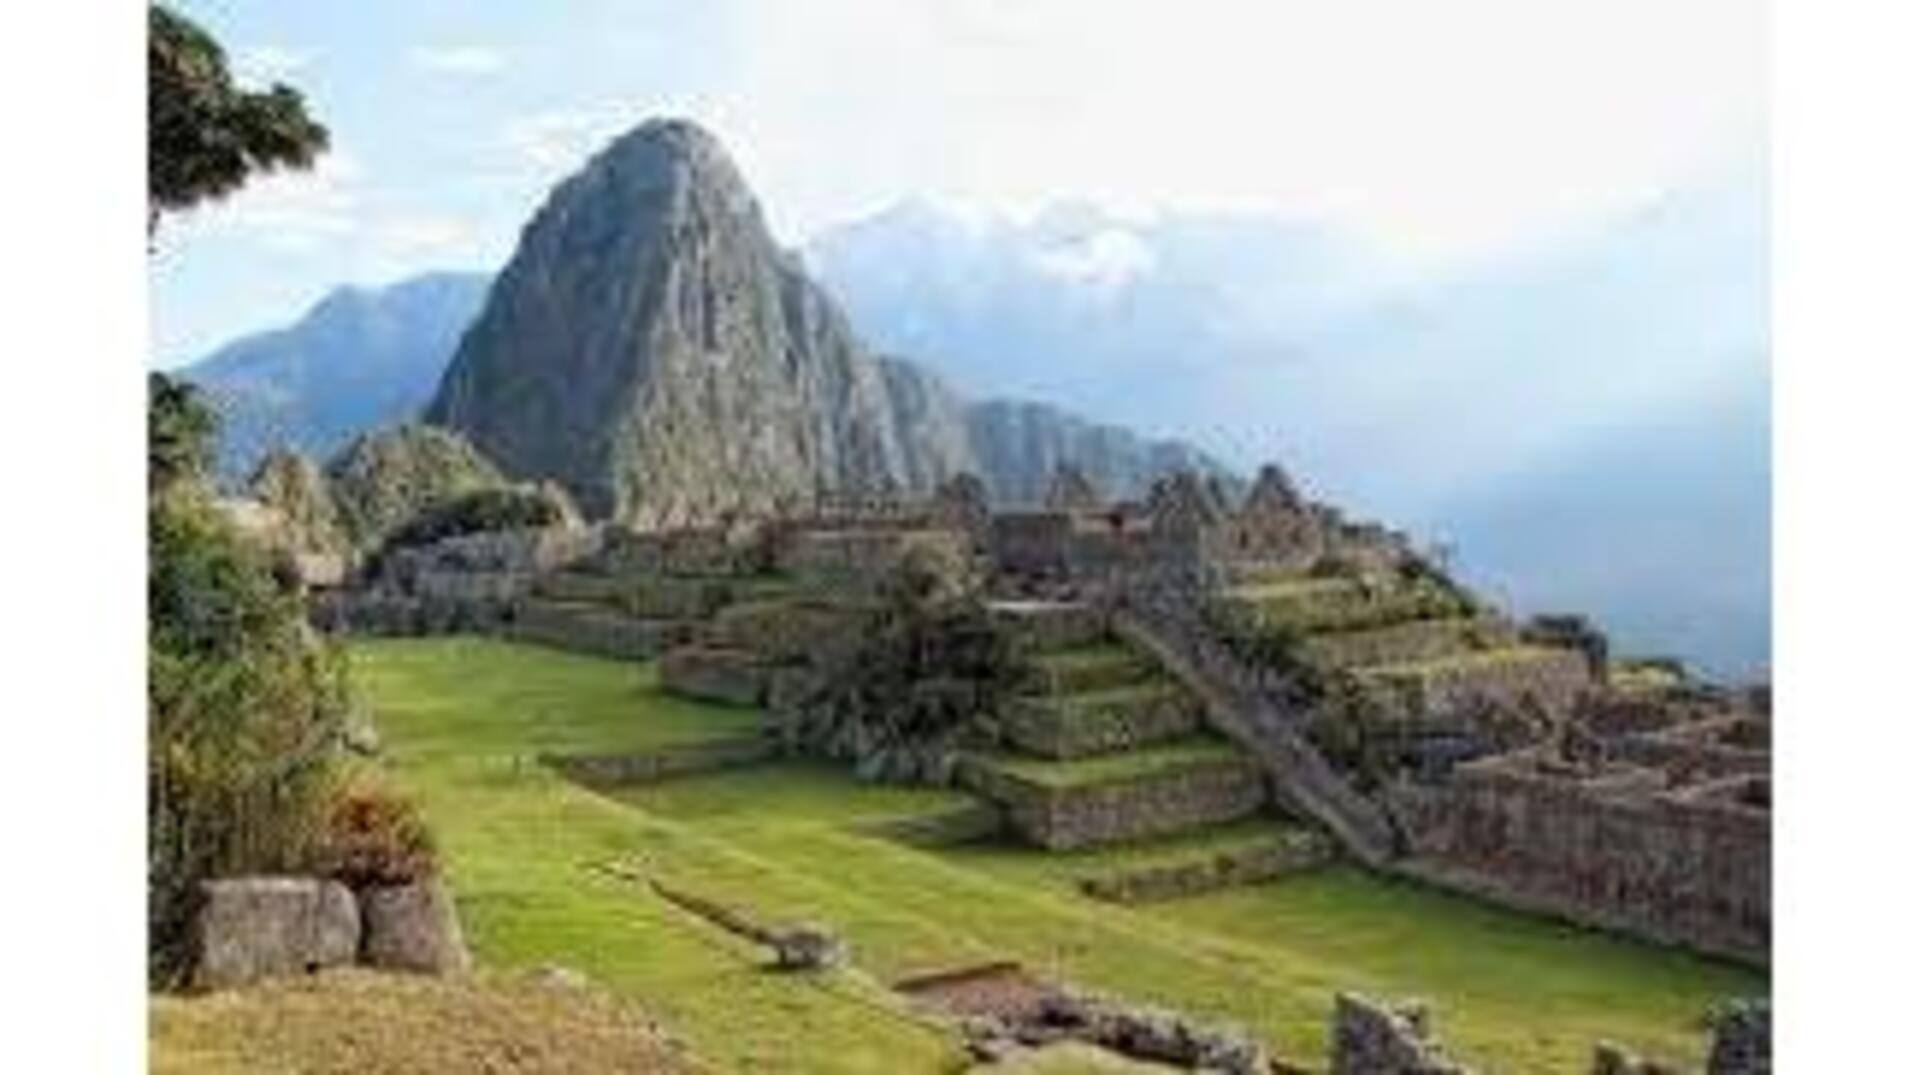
(581, 629)
(1076, 727)
(781, 630)
(1416, 640)
(715, 674)
(1702, 750)
(613, 770)
(1369, 1038)
(850, 561)
(1061, 818)
(1553, 679)
(1291, 852)
(377, 612)
(1609, 852)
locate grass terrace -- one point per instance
(1117, 768)
(537, 865)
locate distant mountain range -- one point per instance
(360, 359)
(652, 349)
(1585, 420)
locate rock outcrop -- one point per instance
(260, 927)
(1375, 1039)
(651, 348)
(384, 479)
(412, 927)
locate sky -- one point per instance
(1439, 135)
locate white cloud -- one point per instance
(1103, 261)
(261, 65)
(1437, 130)
(426, 236)
(459, 60)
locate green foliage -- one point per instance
(245, 708)
(476, 512)
(205, 136)
(290, 484)
(384, 480)
(180, 432)
(920, 677)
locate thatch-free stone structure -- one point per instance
(261, 927)
(1369, 1038)
(250, 928)
(412, 927)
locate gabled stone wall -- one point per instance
(1608, 850)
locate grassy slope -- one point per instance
(355, 1022)
(1513, 993)
(461, 720)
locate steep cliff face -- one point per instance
(652, 349)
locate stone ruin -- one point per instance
(252, 928)
(1370, 1038)
(1071, 491)
(1668, 838)
(1663, 834)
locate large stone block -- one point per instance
(259, 927)
(412, 927)
(1743, 1039)
(714, 674)
(1375, 1039)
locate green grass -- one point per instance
(523, 847)
(815, 791)
(1115, 768)
(1510, 993)
(1062, 870)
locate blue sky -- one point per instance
(1435, 134)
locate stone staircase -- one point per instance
(1424, 662)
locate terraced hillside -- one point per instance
(545, 871)
(1418, 674)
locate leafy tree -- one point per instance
(245, 704)
(180, 432)
(205, 136)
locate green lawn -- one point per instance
(462, 718)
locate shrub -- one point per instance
(374, 837)
(922, 676)
(245, 709)
(477, 512)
